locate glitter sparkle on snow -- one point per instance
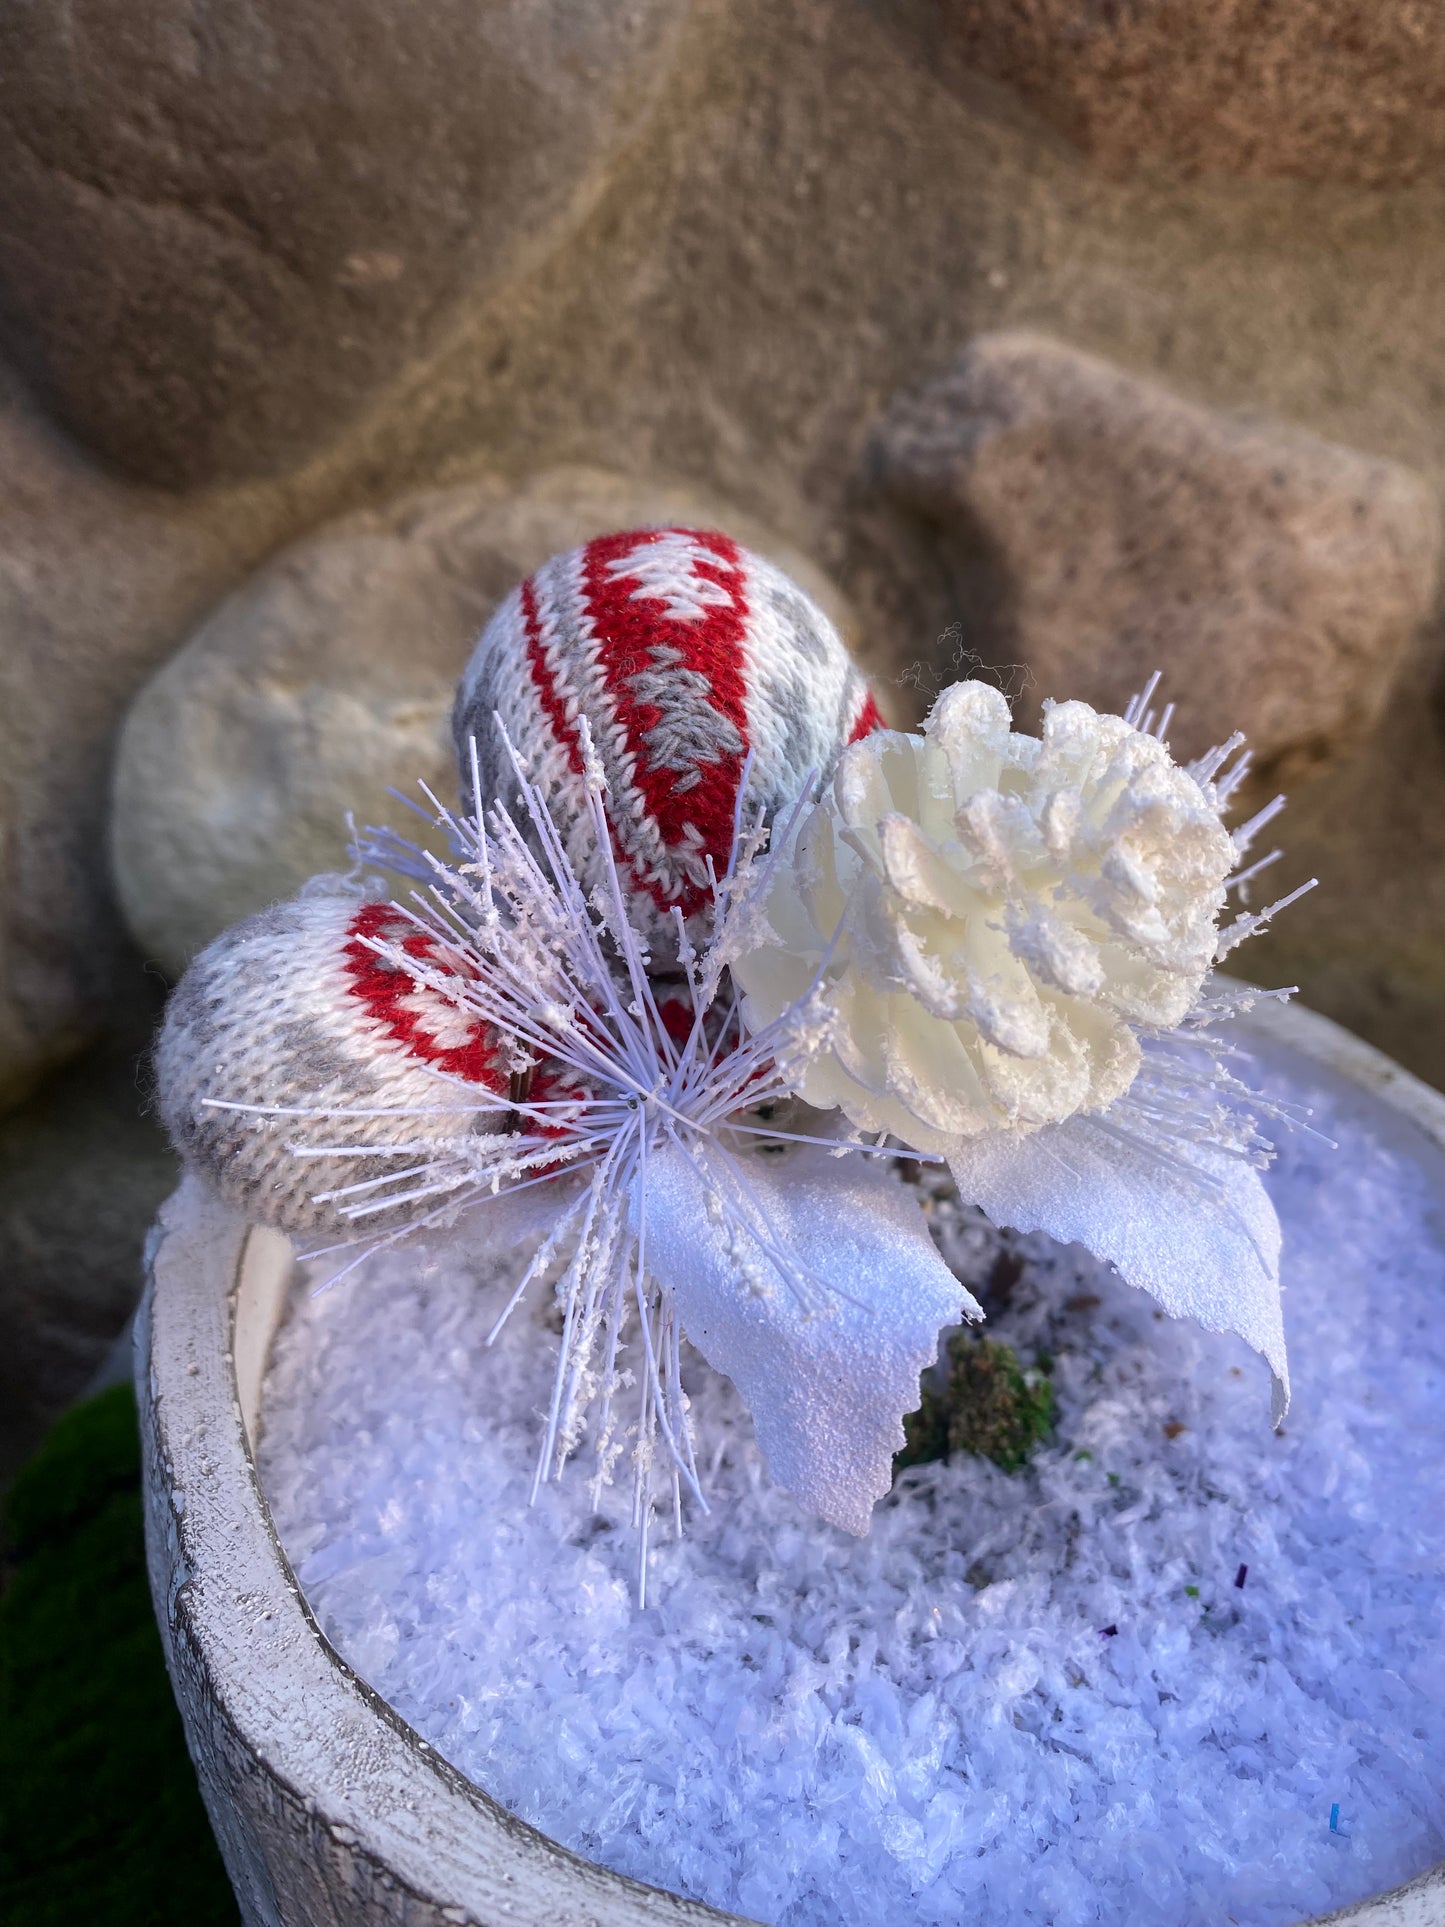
(927, 1725)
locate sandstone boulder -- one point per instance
(96, 583)
(1323, 90)
(82, 1173)
(1098, 527)
(328, 679)
(222, 230)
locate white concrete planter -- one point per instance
(327, 1806)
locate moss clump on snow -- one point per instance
(981, 1400)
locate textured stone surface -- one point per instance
(82, 1172)
(1098, 528)
(327, 680)
(1326, 90)
(814, 219)
(222, 228)
(1368, 947)
(95, 583)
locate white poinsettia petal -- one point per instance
(1198, 1233)
(827, 1382)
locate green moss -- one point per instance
(982, 1401)
(101, 1820)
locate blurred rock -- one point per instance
(1324, 90)
(1368, 947)
(1098, 527)
(811, 221)
(222, 230)
(328, 679)
(82, 1172)
(96, 581)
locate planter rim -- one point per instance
(327, 1806)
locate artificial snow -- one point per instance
(1033, 1700)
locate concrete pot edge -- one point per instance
(322, 1798)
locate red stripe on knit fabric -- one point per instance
(628, 628)
(543, 681)
(870, 718)
(382, 988)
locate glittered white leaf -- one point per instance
(825, 1343)
(1195, 1229)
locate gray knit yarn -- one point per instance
(685, 653)
(265, 1016)
(698, 611)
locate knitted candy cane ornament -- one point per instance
(686, 654)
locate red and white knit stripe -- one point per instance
(685, 652)
(293, 1008)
